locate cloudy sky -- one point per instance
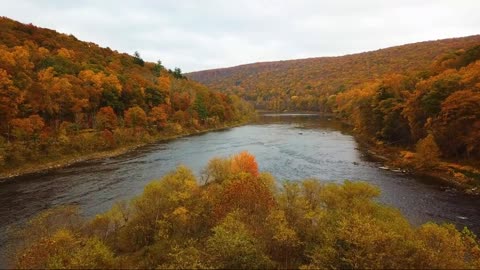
(204, 34)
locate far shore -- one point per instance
(32, 169)
(389, 156)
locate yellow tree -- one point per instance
(428, 153)
(10, 98)
(135, 117)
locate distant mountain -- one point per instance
(306, 83)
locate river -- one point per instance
(293, 146)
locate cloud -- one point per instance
(196, 35)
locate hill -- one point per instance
(60, 96)
(305, 84)
(417, 103)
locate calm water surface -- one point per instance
(292, 147)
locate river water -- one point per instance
(293, 146)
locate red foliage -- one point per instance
(26, 128)
(106, 118)
(158, 116)
(245, 162)
(248, 194)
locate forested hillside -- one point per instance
(441, 105)
(60, 96)
(307, 84)
(423, 97)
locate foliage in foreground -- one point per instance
(240, 218)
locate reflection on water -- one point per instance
(291, 146)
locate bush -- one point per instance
(305, 224)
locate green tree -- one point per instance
(200, 108)
(112, 98)
(137, 59)
(154, 97)
(157, 68)
(177, 73)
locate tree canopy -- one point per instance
(243, 219)
(61, 97)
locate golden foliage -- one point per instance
(306, 224)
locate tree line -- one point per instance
(307, 84)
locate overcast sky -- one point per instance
(201, 34)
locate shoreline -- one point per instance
(390, 157)
(445, 173)
(67, 161)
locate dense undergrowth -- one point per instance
(234, 216)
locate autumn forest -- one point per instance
(413, 109)
(412, 97)
(61, 97)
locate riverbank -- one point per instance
(460, 176)
(65, 161)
